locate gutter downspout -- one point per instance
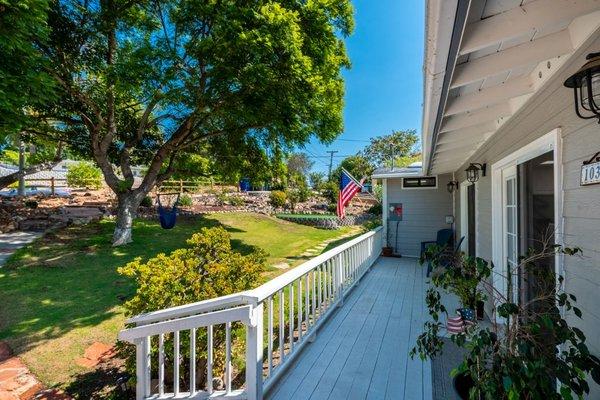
(460, 20)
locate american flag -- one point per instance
(348, 188)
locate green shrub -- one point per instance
(31, 204)
(332, 207)
(185, 200)
(330, 191)
(375, 209)
(293, 198)
(236, 200)
(206, 268)
(278, 199)
(146, 202)
(371, 224)
(84, 174)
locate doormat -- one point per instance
(443, 385)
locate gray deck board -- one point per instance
(362, 351)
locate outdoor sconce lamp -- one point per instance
(452, 186)
(473, 171)
(586, 88)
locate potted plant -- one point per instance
(531, 351)
(461, 275)
(387, 250)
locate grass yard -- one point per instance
(62, 293)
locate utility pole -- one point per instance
(331, 153)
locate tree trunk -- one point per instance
(128, 203)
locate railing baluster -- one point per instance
(291, 319)
(193, 361)
(228, 357)
(314, 296)
(281, 326)
(307, 301)
(147, 366)
(320, 273)
(299, 309)
(270, 334)
(161, 364)
(176, 363)
(209, 359)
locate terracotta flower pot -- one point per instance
(387, 251)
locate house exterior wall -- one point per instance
(424, 213)
(553, 108)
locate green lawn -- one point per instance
(62, 293)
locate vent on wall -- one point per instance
(421, 182)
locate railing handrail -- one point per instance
(252, 296)
(242, 314)
(274, 285)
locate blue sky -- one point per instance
(384, 86)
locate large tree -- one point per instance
(396, 144)
(141, 81)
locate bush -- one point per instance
(330, 191)
(146, 202)
(207, 268)
(185, 200)
(236, 200)
(84, 174)
(278, 199)
(375, 209)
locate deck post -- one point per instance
(254, 355)
(140, 361)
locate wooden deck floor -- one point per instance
(362, 351)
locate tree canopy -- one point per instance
(396, 144)
(139, 82)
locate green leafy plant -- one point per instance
(146, 202)
(236, 200)
(207, 268)
(185, 200)
(278, 198)
(531, 347)
(84, 174)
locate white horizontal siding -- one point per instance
(424, 213)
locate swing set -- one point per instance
(167, 215)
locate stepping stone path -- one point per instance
(95, 354)
(11, 242)
(17, 383)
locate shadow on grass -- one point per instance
(103, 383)
(68, 279)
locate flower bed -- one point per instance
(326, 221)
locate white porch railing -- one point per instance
(286, 310)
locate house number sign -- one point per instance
(590, 171)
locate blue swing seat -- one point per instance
(167, 217)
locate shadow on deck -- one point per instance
(362, 351)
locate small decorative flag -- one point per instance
(348, 188)
(458, 324)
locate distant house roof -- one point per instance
(414, 169)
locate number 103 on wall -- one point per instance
(590, 173)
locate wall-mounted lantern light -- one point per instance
(586, 88)
(452, 186)
(473, 171)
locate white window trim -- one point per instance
(464, 225)
(551, 141)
